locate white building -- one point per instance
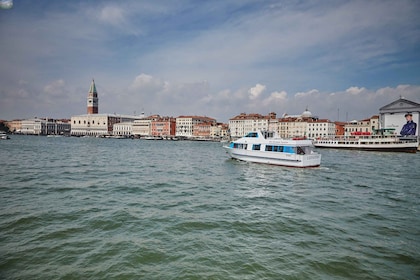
(292, 127)
(97, 124)
(185, 124)
(243, 123)
(392, 115)
(320, 128)
(44, 127)
(32, 126)
(142, 127)
(123, 129)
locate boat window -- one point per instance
(288, 149)
(239, 146)
(300, 151)
(256, 147)
(252, 134)
(280, 149)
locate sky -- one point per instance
(341, 60)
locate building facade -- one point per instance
(185, 124)
(243, 123)
(15, 126)
(97, 124)
(45, 127)
(220, 130)
(392, 115)
(123, 129)
(365, 127)
(320, 128)
(163, 126)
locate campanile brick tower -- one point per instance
(92, 99)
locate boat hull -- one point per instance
(283, 159)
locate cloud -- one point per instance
(279, 95)
(275, 98)
(355, 90)
(256, 91)
(312, 92)
(147, 83)
(55, 88)
(113, 15)
(203, 57)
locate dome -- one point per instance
(306, 114)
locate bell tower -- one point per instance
(92, 99)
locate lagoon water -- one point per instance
(90, 208)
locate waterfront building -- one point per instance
(38, 126)
(243, 123)
(185, 124)
(14, 126)
(97, 124)
(392, 115)
(366, 126)
(339, 128)
(123, 129)
(143, 127)
(163, 126)
(202, 130)
(320, 128)
(288, 126)
(292, 127)
(219, 130)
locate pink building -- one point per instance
(164, 126)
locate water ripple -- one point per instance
(77, 208)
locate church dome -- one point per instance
(306, 114)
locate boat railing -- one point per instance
(371, 138)
(356, 137)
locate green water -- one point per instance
(89, 208)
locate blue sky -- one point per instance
(341, 59)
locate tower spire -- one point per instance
(92, 99)
(92, 88)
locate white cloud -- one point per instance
(55, 88)
(312, 92)
(256, 91)
(148, 83)
(278, 95)
(112, 14)
(355, 90)
(275, 98)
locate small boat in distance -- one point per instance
(4, 136)
(267, 147)
(382, 141)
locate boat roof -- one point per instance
(271, 137)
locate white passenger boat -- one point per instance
(267, 147)
(385, 143)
